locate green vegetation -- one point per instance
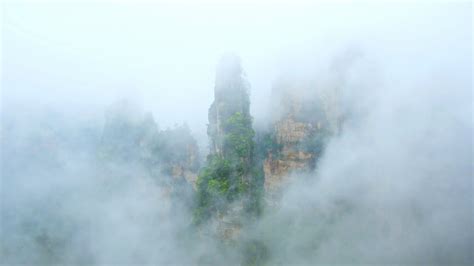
(214, 188)
(267, 143)
(238, 142)
(233, 175)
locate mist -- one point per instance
(101, 101)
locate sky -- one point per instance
(84, 56)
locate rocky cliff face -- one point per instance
(289, 134)
(304, 121)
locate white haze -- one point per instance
(395, 187)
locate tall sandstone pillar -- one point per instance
(229, 186)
